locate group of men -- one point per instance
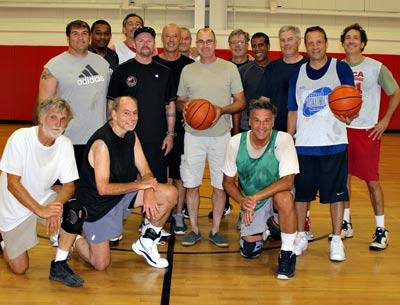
(119, 112)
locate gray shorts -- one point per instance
(111, 224)
(259, 223)
(24, 236)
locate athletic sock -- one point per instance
(336, 238)
(61, 255)
(288, 241)
(156, 229)
(346, 214)
(380, 221)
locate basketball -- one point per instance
(200, 113)
(345, 101)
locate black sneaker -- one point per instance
(286, 265)
(61, 272)
(380, 239)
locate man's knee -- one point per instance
(18, 268)
(250, 249)
(102, 264)
(73, 217)
(283, 201)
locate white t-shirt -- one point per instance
(38, 166)
(285, 153)
(124, 53)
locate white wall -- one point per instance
(25, 22)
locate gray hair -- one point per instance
(55, 103)
(286, 28)
(115, 103)
(239, 32)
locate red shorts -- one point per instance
(363, 154)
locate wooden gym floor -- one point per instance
(206, 274)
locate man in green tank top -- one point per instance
(265, 161)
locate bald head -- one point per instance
(170, 37)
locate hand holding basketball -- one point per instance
(200, 114)
(345, 103)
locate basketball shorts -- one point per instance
(324, 174)
(175, 155)
(156, 159)
(259, 223)
(364, 154)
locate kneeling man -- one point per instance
(266, 163)
(33, 160)
(109, 184)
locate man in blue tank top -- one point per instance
(266, 162)
(109, 184)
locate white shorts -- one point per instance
(196, 150)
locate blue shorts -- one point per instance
(326, 174)
(110, 225)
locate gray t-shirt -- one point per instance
(83, 82)
(215, 82)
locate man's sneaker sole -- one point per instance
(76, 285)
(377, 247)
(284, 277)
(337, 259)
(149, 260)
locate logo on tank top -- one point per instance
(89, 76)
(131, 81)
(316, 101)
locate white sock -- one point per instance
(346, 214)
(336, 238)
(2, 244)
(288, 241)
(301, 233)
(380, 221)
(61, 255)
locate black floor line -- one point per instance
(166, 290)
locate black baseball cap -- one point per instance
(144, 29)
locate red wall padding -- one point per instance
(22, 66)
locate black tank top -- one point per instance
(122, 170)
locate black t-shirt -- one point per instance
(274, 84)
(176, 67)
(153, 86)
(241, 64)
(122, 170)
(111, 57)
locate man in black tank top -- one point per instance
(109, 184)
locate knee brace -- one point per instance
(73, 217)
(274, 228)
(250, 250)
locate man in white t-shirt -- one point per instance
(33, 160)
(266, 162)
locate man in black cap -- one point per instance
(153, 86)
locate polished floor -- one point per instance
(205, 274)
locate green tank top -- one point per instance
(257, 174)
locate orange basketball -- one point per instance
(345, 101)
(200, 113)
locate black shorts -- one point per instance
(326, 174)
(174, 156)
(156, 159)
(79, 151)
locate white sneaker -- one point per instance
(54, 239)
(337, 250)
(146, 246)
(300, 243)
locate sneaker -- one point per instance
(300, 243)
(61, 272)
(347, 230)
(218, 239)
(336, 253)
(191, 238)
(380, 239)
(307, 229)
(54, 239)
(185, 212)
(114, 242)
(286, 265)
(274, 229)
(179, 224)
(146, 246)
(227, 211)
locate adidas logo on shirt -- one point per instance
(89, 76)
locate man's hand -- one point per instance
(167, 144)
(53, 209)
(53, 224)
(345, 120)
(379, 129)
(149, 182)
(248, 203)
(150, 206)
(247, 217)
(218, 113)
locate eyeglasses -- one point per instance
(205, 42)
(238, 43)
